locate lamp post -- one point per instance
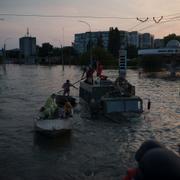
(4, 52)
(5, 47)
(89, 39)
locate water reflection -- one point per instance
(52, 143)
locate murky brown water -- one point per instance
(96, 148)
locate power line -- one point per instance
(67, 16)
(163, 22)
(172, 14)
(141, 19)
(74, 16)
(130, 29)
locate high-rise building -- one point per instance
(142, 41)
(123, 39)
(146, 40)
(27, 45)
(133, 39)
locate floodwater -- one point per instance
(95, 148)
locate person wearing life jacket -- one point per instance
(50, 107)
(89, 75)
(155, 162)
(68, 109)
(99, 69)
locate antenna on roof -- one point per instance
(27, 31)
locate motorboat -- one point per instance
(58, 124)
(54, 126)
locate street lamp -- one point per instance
(89, 40)
(4, 50)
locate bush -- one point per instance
(1, 60)
(152, 63)
(99, 54)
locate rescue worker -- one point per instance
(89, 75)
(68, 109)
(66, 86)
(49, 109)
(99, 69)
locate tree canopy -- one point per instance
(99, 54)
(114, 41)
(171, 37)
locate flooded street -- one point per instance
(97, 148)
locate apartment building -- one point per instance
(83, 41)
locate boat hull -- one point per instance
(110, 104)
(53, 126)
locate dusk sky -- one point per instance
(50, 29)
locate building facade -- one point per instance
(84, 41)
(133, 39)
(146, 41)
(123, 39)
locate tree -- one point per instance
(114, 41)
(132, 52)
(152, 63)
(101, 55)
(171, 37)
(45, 50)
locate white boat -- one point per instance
(53, 126)
(57, 125)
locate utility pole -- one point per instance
(4, 58)
(4, 54)
(90, 44)
(62, 57)
(62, 46)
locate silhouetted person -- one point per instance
(66, 86)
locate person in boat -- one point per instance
(99, 69)
(124, 87)
(50, 108)
(155, 162)
(88, 72)
(67, 109)
(66, 86)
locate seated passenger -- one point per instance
(68, 109)
(50, 108)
